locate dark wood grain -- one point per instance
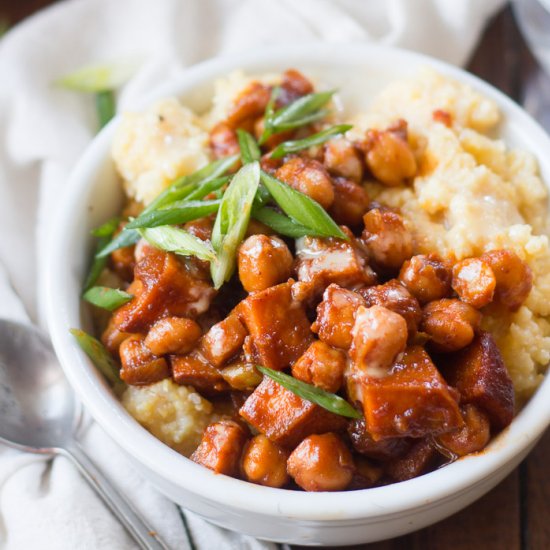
(516, 514)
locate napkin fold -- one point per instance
(44, 503)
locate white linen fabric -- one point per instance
(45, 504)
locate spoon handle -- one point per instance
(147, 538)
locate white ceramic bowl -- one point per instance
(93, 195)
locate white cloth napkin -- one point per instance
(45, 504)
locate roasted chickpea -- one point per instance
(474, 282)
(389, 157)
(321, 463)
(223, 140)
(393, 295)
(426, 277)
(386, 238)
(350, 202)
(309, 177)
(139, 365)
(342, 158)
(471, 437)
(451, 324)
(514, 278)
(379, 335)
(249, 104)
(293, 85)
(173, 335)
(112, 337)
(258, 228)
(264, 462)
(263, 262)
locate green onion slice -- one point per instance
(302, 209)
(100, 357)
(281, 224)
(232, 221)
(106, 298)
(249, 147)
(105, 106)
(329, 401)
(105, 233)
(316, 139)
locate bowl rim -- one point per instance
(426, 491)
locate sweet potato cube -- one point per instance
(223, 340)
(286, 418)
(414, 463)
(167, 289)
(194, 370)
(278, 326)
(412, 400)
(336, 316)
(221, 447)
(479, 374)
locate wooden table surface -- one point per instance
(515, 515)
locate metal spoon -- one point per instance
(39, 414)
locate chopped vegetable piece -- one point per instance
(178, 241)
(316, 139)
(106, 298)
(301, 208)
(127, 237)
(105, 103)
(174, 215)
(249, 148)
(104, 232)
(281, 224)
(329, 401)
(100, 357)
(232, 221)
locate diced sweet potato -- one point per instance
(223, 340)
(413, 464)
(167, 289)
(336, 316)
(194, 370)
(326, 261)
(413, 400)
(139, 366)
(479, 374)
(221, 447)
(278, 326)
(286, 418)
(322, 366)
(249, 104)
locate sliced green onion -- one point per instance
(101, 77)
(316, 139)
(302, 209)
(105, 106)
(329, 401)
(205, 188)
(174, 215)
(127, 237)
(282, 224)
(249, 147)
(178, 241)
(106, 298)
(105, 233)
(232, 221)
(100, 357)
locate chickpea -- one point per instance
(293, 85)
(258, 228)
(249, 104)
(394, 296)
(426, 277)
(342, 158)
(389, 157)
(379, 335)
(223, 140)
(309, 177)
(350, 202)
(474, 282)
(112, 337)
(321, 463)
(264, 462)
(450, 323)
(263, 262)
(139, 365)
(514, 278)
(471, 437)
(386, 238)
(173, 335)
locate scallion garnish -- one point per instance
(176, 214)
(106, 298)
(301, 208)
(100, 357)
(232, 221)
(105, 106)
(281, 224)
(104, 233)
(249, 147)
(304, 110)
(329, 401)
(315, 139)
(178, 241)
(127, 237)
